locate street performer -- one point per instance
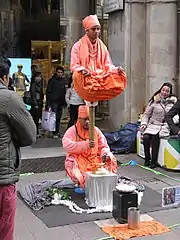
(84, 155)
(95, 78)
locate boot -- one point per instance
(153, 164)
(147, 163)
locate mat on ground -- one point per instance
(54, 216)
(147, 228)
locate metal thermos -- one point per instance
(133, 218)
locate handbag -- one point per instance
(48, 121)
(27, 98)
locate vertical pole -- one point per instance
(50, 58)
(30, 12)
(177, 79)
(102, 18)
(49, 7)
(91, 122)
(92, 6)
(60, 30)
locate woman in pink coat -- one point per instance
(153, 122)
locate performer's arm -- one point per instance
(108, 63)
(72, 146)
(75, 63)
(105, 153)
(110, 66)
(102, 145)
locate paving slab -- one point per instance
(164, 236)
(177, 231)
(167, 217)
(62, 233)
(170, 182)
(88, 231)
(135, 172)
(154, 183)
(31, 228)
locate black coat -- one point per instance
(56, 90)
(37, 94)
(175, 128)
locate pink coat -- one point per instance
(154, 117)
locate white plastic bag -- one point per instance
(49, 121)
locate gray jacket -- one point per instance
(17, 129)
(154, 117)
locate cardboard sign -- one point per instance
(171, 196)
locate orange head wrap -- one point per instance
(90, 21)
(83, 112)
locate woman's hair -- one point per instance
(36, 74)
(167, 84)
(4, 68)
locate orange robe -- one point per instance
(80, 158)
(104, 82)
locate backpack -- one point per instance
(124, 140)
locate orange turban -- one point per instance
(83, 112)
(90, 21)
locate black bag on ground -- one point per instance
(124, 140)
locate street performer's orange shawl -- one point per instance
(104, 82)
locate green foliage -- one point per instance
(59, 191)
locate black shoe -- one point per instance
(147, 163)
(153, 165)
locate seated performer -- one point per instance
(95, 77)
(84, 155)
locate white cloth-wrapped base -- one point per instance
(99, 189)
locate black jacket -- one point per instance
(56, 90)
(169, 118)
(36, 91)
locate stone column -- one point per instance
(75, 11)
(142, 39)
(127, 48)
(161, 38)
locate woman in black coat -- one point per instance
(37, 97)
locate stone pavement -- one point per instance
(29, 227)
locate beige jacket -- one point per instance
(154, 117)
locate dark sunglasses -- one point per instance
(96, 28)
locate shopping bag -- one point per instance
(48, 121)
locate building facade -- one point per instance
(144, 39)
(10, 23)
